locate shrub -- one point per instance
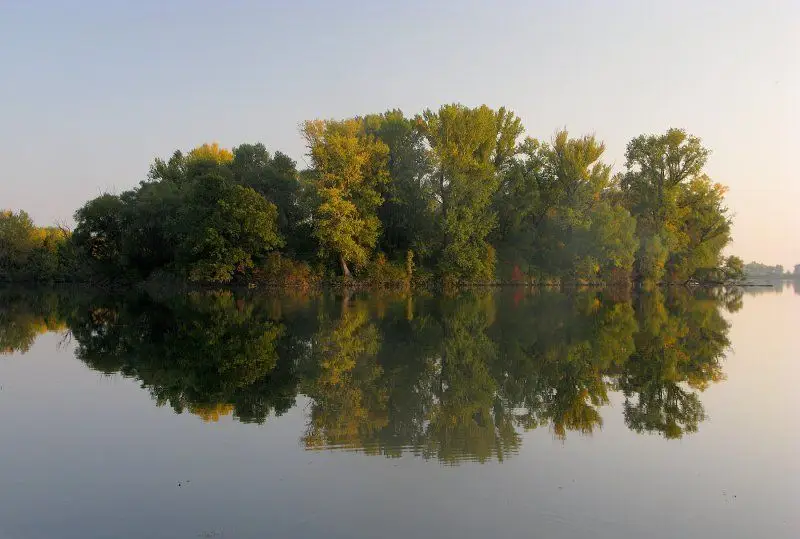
(280, 271)
(381, 272)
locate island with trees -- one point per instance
(456, 195)
(756, 271)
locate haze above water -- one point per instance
(511, 413)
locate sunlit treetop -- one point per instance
(211, 152)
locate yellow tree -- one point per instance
(349, 167)
(211, 152)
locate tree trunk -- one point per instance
(345, 269)
(444, 209)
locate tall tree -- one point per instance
(349, 169)
(406, 214)
(557, 218)
(663, 180)
(470, 147)
(275, 177)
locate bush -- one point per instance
(280, 271)
(381, 272)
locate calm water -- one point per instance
(506, 414)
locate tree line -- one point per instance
(450, 377)
(756, 270)
(456, 195)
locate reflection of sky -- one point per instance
(86, 455)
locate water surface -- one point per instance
(512, 413)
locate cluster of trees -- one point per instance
(29, 253)
(756, 270)
(447, 377)
(457, 194)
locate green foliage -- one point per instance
(559, 217)
(447, 377)
(275, 177)
(193, 217)
(612, 240)
(652, 259)
(680, 213)
(350, 167)
(382, 273)
(755, 270)
(31, 253)
(409, 205)
(470, 147)
(456, 186)
(223, 228)
(733, 270)
(278, 270)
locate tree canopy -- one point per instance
(457, 194)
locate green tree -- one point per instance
(99, 233)
(275, 177)
(408, 207)
(190, 217)
(28, 252)
(681, 221)
(470, 148)
(558, 218)
(222, 228)
(704, 229)
(349, 168)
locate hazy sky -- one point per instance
(92, 91)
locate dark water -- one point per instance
(484, 414)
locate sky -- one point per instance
(93, 91)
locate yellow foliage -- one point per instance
(211, 152)
(211, 413)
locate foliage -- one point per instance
(223, 227)
(278, 270)
(457, 186)
(382, 273)
(408, 208)
(470, 147)
(350, 167)
(31, 253)
(681, 218)
(192, 217)
(275, 177)
(755, 270)
(447, 377)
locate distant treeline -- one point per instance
(755, 270)
(455, 195)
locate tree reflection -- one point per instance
(207, 353)
(24, 315)
(556, 352)
(344, 381)
(679, 348)
(446, 377)
(467, 418)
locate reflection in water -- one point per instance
(24, 316)
(446, 377)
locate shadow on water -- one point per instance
(452, 378)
